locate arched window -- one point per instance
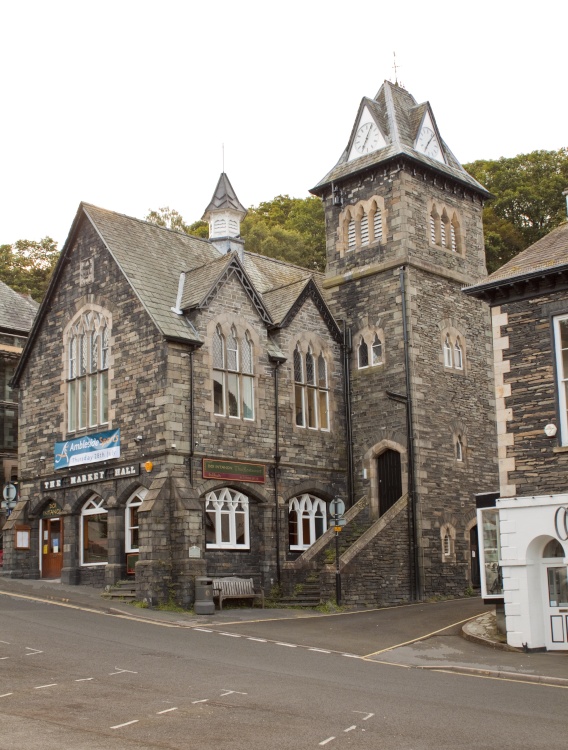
(553, 549)
(377, 350)
(447, 544)
(307, 521)
(363, 354)
(459, 448)
(447, 352)
(351, 235)
(458, 356)
(233, 375)
(377, 225)
(227, 520)
(434, 226)
(311, 390)
(94, 532)
(87, 373)
(132, 527)
(364, 226)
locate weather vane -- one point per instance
(395, 68)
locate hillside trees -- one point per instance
(26, 266)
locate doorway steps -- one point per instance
(302, 595)
(123, 590)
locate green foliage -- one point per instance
(168, 218)
(527, 204)
(26, 266)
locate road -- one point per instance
(90, 681)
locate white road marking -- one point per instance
(231, 635)
(85, 679)
(33, 650)
(6, 657)
(121, 671)
(201, 701)
(351, 728)
(258, 640)
(167, 710)
(329, 739)
(6, 642)
(231, 692)
(352, 656)
(5, 695)
(320, 650)
(367, 716)
(203, 630)
(126, 724)
(290, 645)
(39, 687)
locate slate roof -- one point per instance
(17, 311)
(399, 117)
(224, 197)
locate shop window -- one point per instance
(227, 520)
(94, 532)
(88, 353)
(307, 521)
(233, 375)
(311, 389)
(132, 525)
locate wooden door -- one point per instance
(474, 557)
(51, 547)
(389, 477)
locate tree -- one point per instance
(527, 203)
(26, 266)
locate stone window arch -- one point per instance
(444, 227)
(369, 351)
(361, 225)
(453, 347)
(227, 519)
(311, 387)
(233, 372)
(307, 520)
(448, 542)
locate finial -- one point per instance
(223, 158)
(395, 68)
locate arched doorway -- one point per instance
(389, 479)
(554, 575)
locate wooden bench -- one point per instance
(235, 588)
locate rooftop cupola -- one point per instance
(224, 215)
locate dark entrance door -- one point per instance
(52, 548)
(474, 557)
(389, 479)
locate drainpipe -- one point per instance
(277, 361)
(191, 415)
(346, 352)
(417, 584)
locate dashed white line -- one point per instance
(40, 687)
(201, 701)
(203, 630)
(119, 670)
(367, 715)
(231, 635)
(6, 642)
(352, 656)
(258, 640)
(85, 679)
(167, 710)
(329, 739)
(5, 657)
(351, 728)
(126, 724)
(290, 645)
(231, 692)
(5, 695)
(320, 650)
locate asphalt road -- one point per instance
(85, 681)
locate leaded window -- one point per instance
(87, 372)
(311, 390)
(233, 375)
(227, 520)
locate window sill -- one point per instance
(560, 449)
(229, 547)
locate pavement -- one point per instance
(453, 635)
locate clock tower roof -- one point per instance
(224, 198)
(405, 128)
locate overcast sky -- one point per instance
(126, 104)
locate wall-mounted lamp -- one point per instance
(42, 458)
(139, 438)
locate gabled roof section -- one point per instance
(223, 198)
(17, 311)
(541, 267)
(399, 117)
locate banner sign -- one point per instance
(235, 470)
(88, 449)
(88, 477)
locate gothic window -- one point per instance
(445, 230)
(363, 354)
(364, 225)
(448, 352)
(311, 390)
(351, 235)
(87, 371)
(458, 356)
(377, 224)
(94, 532)
(307, 521)
(361, 225)
(233, 375)
(132, 526)
(377, 350)
(459, 448)
(447, 537)
(434, 226)
(227, 520)
(447, 544)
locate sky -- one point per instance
(135, 105)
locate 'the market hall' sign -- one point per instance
(89, 477)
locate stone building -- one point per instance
(17, 312)
(526, 529)
(204, 404)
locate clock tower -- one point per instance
(404, 235)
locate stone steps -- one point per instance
(124, 590)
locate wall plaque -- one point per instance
(240, 471)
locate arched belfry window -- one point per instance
(233, 374)
(361, 225)
(311, 389)
(88, 350)
(444, 228)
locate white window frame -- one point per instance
(448, 357)
(230, 503)
(307, 507)
(311, 396)
(134, 501)
(561, 376)
(94, 506)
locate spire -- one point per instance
(224, 215)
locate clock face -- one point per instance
(428, 143)
(367, 138)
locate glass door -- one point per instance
(557, 607)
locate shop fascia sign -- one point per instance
(240, 471)
(88, 449)
(561, 523)
(89, 477)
